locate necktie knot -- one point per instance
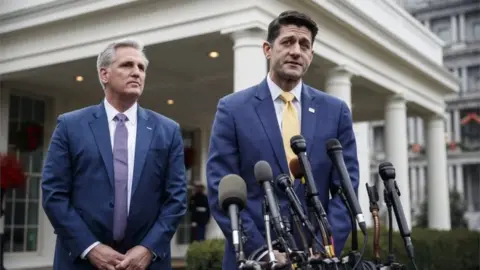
(121, 118)
(287, 97)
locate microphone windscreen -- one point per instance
(263, 172)
(294, 166)
(298, 144)
(333, 144)
(386, 171)
(232, 190)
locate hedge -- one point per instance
(434, 250)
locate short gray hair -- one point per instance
(105, 58)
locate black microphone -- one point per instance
(299, 147)
(387, 173)
(232, 196)
(285, 184)
(264, 175)
(335, 152)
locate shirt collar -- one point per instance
(276, 91)
(131, 113)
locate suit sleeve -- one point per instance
(223, 159)
(175, 204)
(56, 188)
(338, 214)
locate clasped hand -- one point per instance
(104, 257)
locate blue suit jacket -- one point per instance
(245, 131)
(78, 191)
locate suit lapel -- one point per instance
(309, 113)
(266, 112)
(145, 129)
(100, 130)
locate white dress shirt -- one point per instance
(131, 125)
(279, 104)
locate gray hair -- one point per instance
(105, 58)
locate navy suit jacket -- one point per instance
(78, 191)
(246, 130)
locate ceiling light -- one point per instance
(213, 54)
(79, 78)
(170, 101)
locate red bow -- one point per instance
(11, 173)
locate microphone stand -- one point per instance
(391, 264)
(374, 209)
(243, 263)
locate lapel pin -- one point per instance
(312, 110)
(149, 128)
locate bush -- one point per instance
(434, 250)
(458, 207)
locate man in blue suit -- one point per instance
(257, 123)
(114, 184)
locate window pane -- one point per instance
(37, 161)
(26, 111)
(18, 237)
(7, 235)
(34, 188)
(33, 213)
(20, 193)
(39, 112)
(8, 213)
(32, 239)
(19, 213)
(14, 107)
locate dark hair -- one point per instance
(290, 17)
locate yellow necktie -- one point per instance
(290, 124)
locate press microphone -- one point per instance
(299, 147)
(284, 183)
(264, 176)
(232, 194)
(335, 152)
(387, 173)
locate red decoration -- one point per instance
(189, 157)
(11, 173)
(416, 148)
(470, 117)
(452, 146)
(29, 137)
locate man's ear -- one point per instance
(267, 49)
(104, 75)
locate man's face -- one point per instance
(126, 75)
(291, 53)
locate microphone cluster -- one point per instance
(315, 251)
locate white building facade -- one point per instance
(373, 55)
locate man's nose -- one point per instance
(295, 49)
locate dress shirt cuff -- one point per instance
(84, 254)
(154, 256)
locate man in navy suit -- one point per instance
(251, 125)
(114, 184)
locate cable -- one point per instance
(365, 242)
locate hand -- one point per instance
(137, 258)
(104, 257)
(280, 256)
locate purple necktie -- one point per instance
(120, 167)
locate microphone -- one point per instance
(264, 176)
(284, 183)
(387, 173)
(335, 152)
(299, 147)
(232, 194)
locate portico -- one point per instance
(375, 69)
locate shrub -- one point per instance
(434, 250)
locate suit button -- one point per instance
(111, 204)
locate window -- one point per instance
(441, 27)
(476, 31)
(378, 139)
(473, 76)
(470, 129)
(184, 229)
(22, 205)
(472, 182)
(444, 34)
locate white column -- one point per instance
(456, 126)
(250, 64)
(420, 134)
(396, 148)
(459, 180)
(451, 179)
(339, 84)
(414, 187)
(411, 130)
(453, 23)
(464, 81)
(448, 123)
(461, 30)
(438, 197)
(421, 185)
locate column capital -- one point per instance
(341, 72)
(253, 30)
